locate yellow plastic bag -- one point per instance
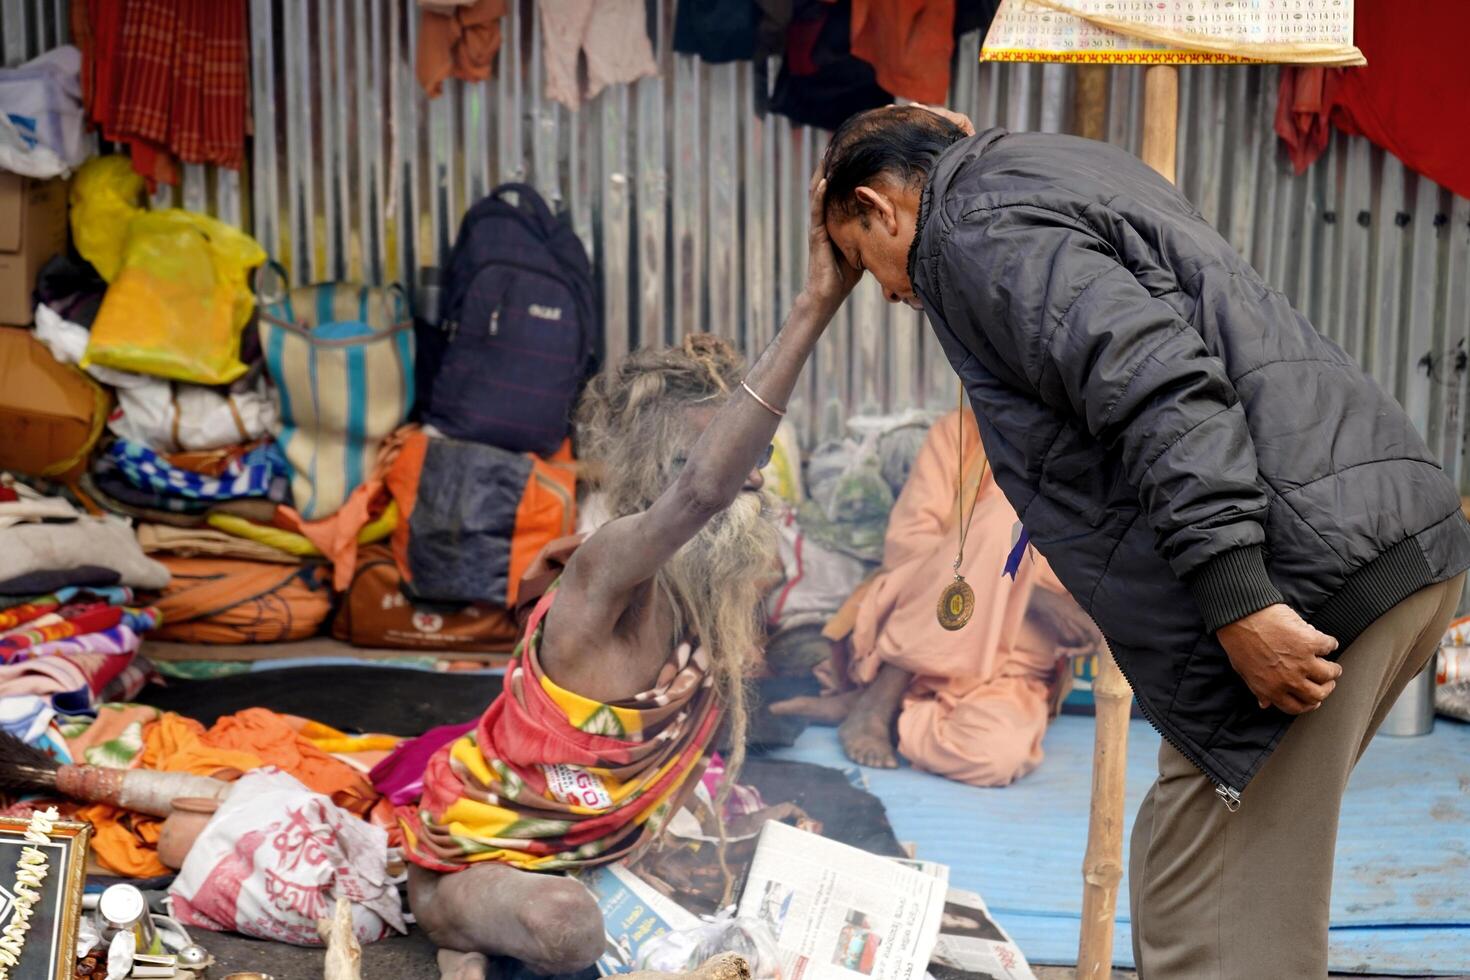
(106, 194)
(179, 301)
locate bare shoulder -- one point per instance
(592, 618)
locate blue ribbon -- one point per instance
(1013, 562)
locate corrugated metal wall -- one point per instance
(693, 208)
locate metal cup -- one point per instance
(1413, 713)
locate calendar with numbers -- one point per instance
(1173, 32)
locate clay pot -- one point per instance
(182, 828)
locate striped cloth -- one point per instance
(259, 473)
(341, 356)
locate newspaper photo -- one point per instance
(633, 915)
(839, 913)
(971, 946)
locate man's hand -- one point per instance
(1280, 658)
(958, 118)
(1071, 628)
(829, 277)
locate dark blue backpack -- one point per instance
(522, 333)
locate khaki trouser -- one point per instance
(1244, 896)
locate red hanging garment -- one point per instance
(1411, 98)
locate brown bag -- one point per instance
(51, 414)
(224, 600)
(376, 613)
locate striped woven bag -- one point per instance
(341, 355)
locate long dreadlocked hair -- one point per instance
(632, 427)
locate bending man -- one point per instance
(1268, 545)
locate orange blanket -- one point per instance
(125, 842)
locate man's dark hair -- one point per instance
(900, 142)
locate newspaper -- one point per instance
(837, 911)
(972, 946)
(633, 915)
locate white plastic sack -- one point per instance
(817, 580)
(172, 416)
(41, 121)
(273, 861)
(166, 416)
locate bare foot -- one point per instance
(550, 923)
(829, 709)
(868, 741)
(867, 734)
(463, 966)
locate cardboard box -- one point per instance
(50, 413)
(32, 230)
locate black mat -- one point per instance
(400, 701)
(387, 700)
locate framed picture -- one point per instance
(50, 945)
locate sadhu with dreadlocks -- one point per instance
(630, 660)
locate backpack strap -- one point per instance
(529, 203)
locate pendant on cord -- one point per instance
(956, 604)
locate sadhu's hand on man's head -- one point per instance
(957, 118)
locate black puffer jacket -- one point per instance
(1182, 445)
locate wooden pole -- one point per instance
(1090, 102)
(1102, 867)
(1160, 118)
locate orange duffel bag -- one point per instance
(376, 613)
(227, 601)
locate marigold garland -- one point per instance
(30, 874)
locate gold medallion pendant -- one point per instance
(956, 604)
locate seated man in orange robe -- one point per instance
(972, 704)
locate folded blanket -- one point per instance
(107, 543)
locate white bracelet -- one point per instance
(764, 404)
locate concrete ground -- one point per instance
(411, 957)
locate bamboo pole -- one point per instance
(1090, 102)
(1102, 866)
(1160, 118)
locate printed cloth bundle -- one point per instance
(549, 779)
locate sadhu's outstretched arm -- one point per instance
(628, 552)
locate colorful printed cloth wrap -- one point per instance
(30, 610)
(550, 780)
(261, 472)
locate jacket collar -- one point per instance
(936, 185)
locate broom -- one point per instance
(26, 770)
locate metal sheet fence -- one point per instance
(693, 208)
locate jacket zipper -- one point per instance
(1228, 795)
